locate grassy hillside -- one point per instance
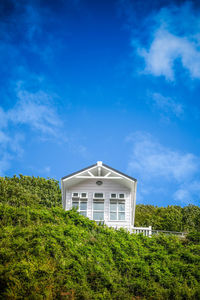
(47, 253)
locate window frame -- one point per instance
(86, 197)
(98, 198)
(79, 200)
(75, 193)
(113, 197)
(120, 197)
(98, 211)
(117, 200)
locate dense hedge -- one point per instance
(174, 218)
(47, 253)
(29, 191)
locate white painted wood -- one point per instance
(85, 182)
(92, 175)
(147, 231)
(107, 174)
(97, 177)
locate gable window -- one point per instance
(98, 210)
(117, 210)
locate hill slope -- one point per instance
(47, 253)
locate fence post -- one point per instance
(150, 231)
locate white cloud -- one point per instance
(4, 139)
(3, 118)
(165, 49)
(10, 148)
(152, 162)
(36, 112)
(33, 109)
(167, 105)
(187, 192)
(168, 35)
(4, 163)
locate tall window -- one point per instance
(81, 206)
(117, 210)
(98, 210)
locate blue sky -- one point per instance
(116, 81)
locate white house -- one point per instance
(103, 194)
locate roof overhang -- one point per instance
(99, 171)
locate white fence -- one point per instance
(147, 231)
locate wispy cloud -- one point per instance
(35, 110)
(165, 49)
(186, 192)
(150, 160)
(166, 105)
(5, 163)
(10, 148)
(166, 36)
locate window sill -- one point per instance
(117, 220)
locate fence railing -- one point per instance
(181, 234)
(147, 231)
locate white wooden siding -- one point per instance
(109, 186)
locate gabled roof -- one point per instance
(100, 164)
(80, 171)
(130, 177)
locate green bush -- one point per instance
(172, 218)
(49, 253)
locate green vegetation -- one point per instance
(174, 218)
(47, 253)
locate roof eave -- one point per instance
(77, 172)
(87, 168)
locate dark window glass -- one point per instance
(98, 195)
(121, 196)
(113, 196)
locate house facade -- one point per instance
(101, 193)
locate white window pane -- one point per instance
(98, 205)
(98, 195)
(121, 196)
(83, 205)
(113, 206)
(83, 213)
(113, 216)
(84, 195)
(98, 216)
(121, 206)
(121, 216)
(75, 204)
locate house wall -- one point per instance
(109, 186)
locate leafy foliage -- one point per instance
(49, 253)
(174, 218)
(29, 191)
